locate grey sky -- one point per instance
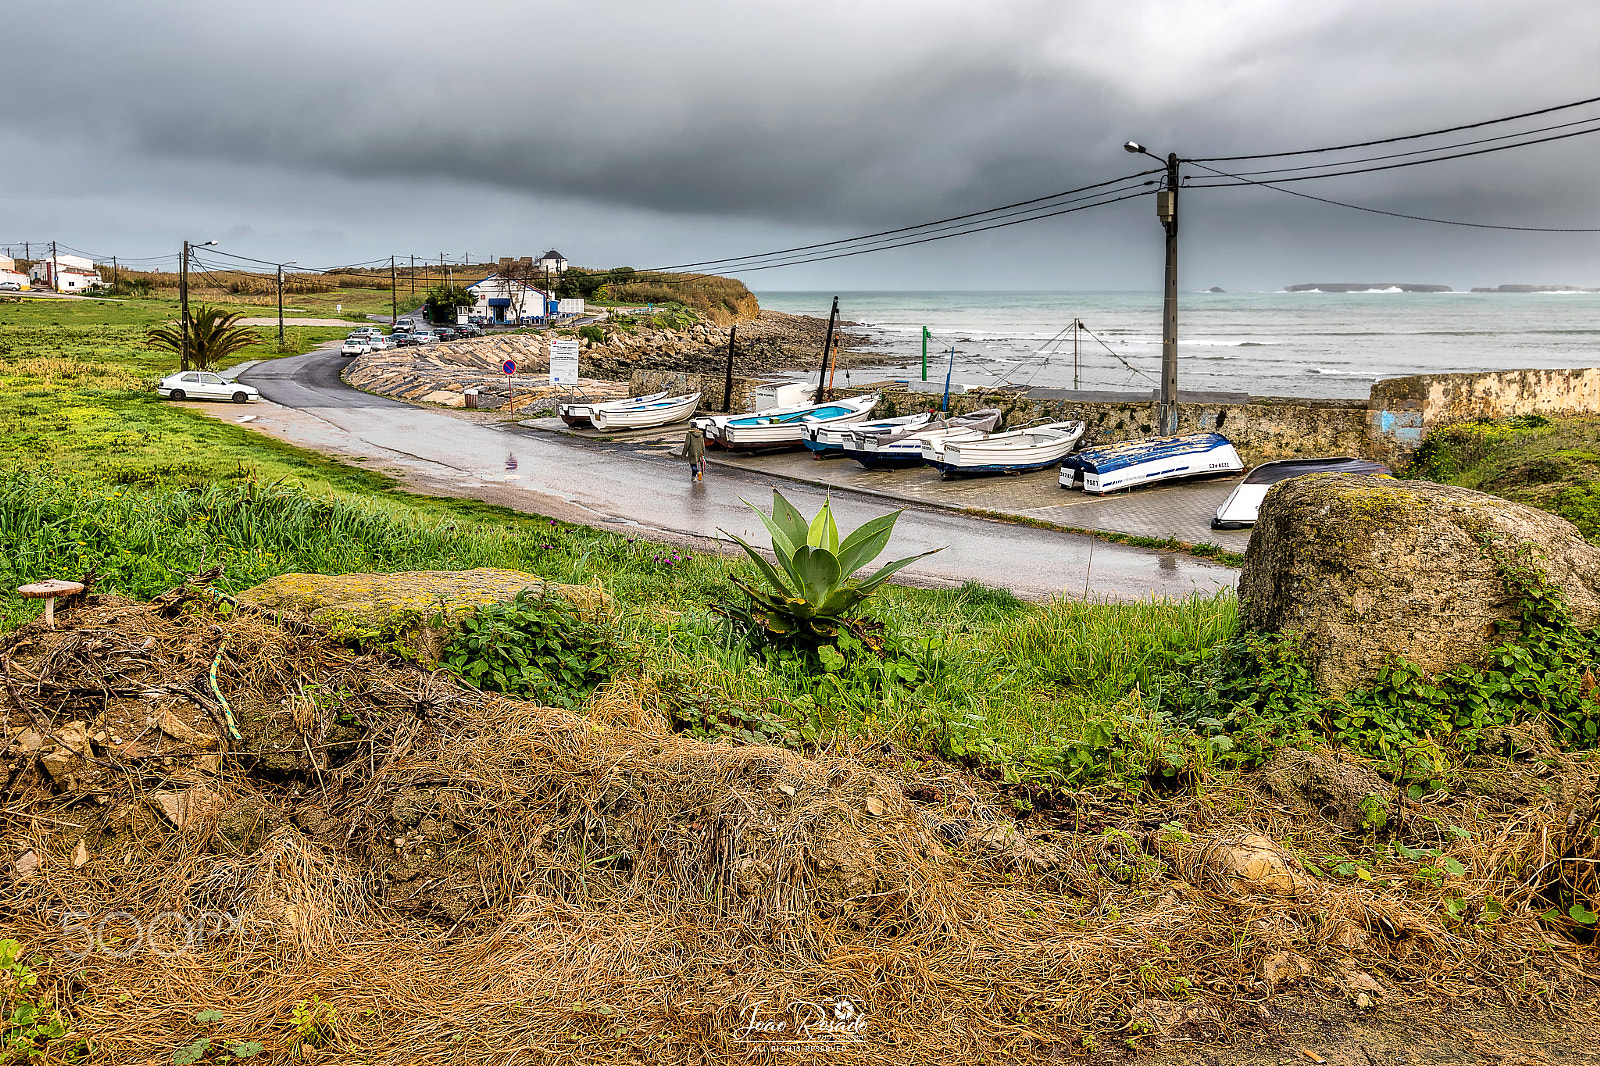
(651, 133)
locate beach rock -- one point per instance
(1358, 570)
(1251, 864)
(409, 610)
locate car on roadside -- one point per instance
(405, 325)
(379, 343)
(423, 336)
(445, 333)
(467, 329)
(10, 286)
(405, 340)
(204, 385)
(354, 346)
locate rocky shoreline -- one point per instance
(774, 343)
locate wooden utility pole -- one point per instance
(55, 269)
(394, 296)
(113, 273)
(1167, 211)
(413, 277)
(280, 307)
(183, 300)
(727, 386)
(827, 345)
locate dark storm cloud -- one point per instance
(847, 115)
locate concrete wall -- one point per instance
(1403, 410)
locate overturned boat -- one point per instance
(581, 413)
(1016, 452)
(777, 428)
(646, 413)
(877, 452)
(826, 440)
(1244, 503)
(1142, 462)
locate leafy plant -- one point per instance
(536, 646)
(213, 336)
(30, 1026)
(816, 591)
(315, 1023)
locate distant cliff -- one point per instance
(1365, 286)
(1535, 288)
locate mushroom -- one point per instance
(48, 591)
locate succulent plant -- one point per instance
(813, 588)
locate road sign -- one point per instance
(509, 366)
(564, 361)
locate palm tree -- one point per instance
(213, 336)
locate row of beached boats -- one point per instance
(968, 445)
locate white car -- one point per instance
(204, 385)
(378, 342)
(355, 346)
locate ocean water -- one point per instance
(1308, 344)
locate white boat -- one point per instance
(905, 448)
(1015, 452)
(827, 439)
(643, 414)
(582, 412)
(774, 429)
(1244, 503)
(1142, 462)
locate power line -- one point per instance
(1379, 211)
(1393, 140)
(908, 229)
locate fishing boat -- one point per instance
(644, 414)
(582, 412)
(905, 448)
(1015, 452)
(778, 428)
(1143, 462)
(1244, 503)
(826, 440)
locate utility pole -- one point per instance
(280, 307)
(827, 346)
(413, 277)
(113, 273)
(394, 296)
(1076, 322)
(1167, 210)
(183, 300)
(727, 386)
(55, 270)
(924, 353)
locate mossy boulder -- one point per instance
(1361, 569)
(408, 612)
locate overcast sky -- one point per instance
(656, 132)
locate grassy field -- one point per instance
(96, 473)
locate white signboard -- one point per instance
(570, 307)
(564, 361)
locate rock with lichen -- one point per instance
(1359, 570)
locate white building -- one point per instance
(9, 275)
(502, 299)
(66, 273)
(551, 261)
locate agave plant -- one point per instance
(813, 587)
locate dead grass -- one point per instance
(465, 878)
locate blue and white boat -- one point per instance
(1132, 463)
(905, 448)
(828, 439)
(774, 429)
(1016, 452)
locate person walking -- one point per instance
(694, 450)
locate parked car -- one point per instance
(10, 286)
(405, 325)
(445, 333)
(467, 329)
(404, 340)
(379, 343)
(204, 385)
(425, 337)
(355, 346)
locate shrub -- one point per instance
(534, 646)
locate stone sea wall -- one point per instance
(1403, 410)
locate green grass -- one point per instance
(1550, 464)
(97, 474)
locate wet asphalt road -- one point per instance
(618, 487)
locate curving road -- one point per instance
(620, 486)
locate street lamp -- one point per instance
(1167, 211)
(183, 298)
(290, 263)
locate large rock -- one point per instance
(1358, 569)
(407, 611)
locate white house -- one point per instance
(9, 273)
(551, 261)
(502, 299)
(66, 273)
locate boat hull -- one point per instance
(1017, 452)
(582, 414)
(1243, 505)
(647, 416)
(1135, 463)
(787, 429)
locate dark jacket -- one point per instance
(694, 445)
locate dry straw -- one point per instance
(466, 878)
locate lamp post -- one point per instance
(292, 262)
(183, 299)
(1167, 211)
